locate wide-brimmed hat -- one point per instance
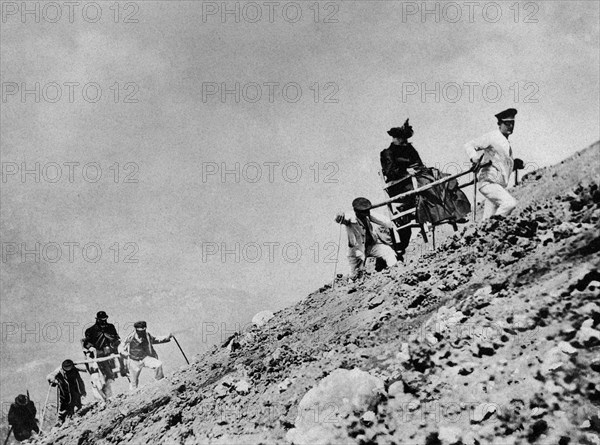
(139, 325)
(67, 365)
(21, 399)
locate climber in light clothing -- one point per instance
(138, 347)
(368, 235)
(493, 178)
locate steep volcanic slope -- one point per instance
(493, 339)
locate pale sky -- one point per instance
(360, 73)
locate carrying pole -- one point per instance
(44, 410)
(8, 435)
(96, 360)
(416, 192)
(182, 353)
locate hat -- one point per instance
(403, 132)
(518, 164)
(101, 315)
(395, 132)
(67, 365)
(507, 115)
(361, 204)
(21, 399)
(139, 325)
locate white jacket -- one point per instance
(495, 148)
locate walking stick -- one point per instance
(475, 169)
(337, 256)
(475, 197)
(182, 353)
(8, 435)
(44, 410)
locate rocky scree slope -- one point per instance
(494, 338)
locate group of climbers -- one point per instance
(102, 345)
(370, 234)
(107, 358)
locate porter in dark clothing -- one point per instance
(102, 334)
(70, 389)
(21, 417)
(103, 337)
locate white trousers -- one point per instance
(101, 388)
(498, 200)
(135, 367)
(379, 250)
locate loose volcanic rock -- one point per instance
(587, 335)
(221, 391)
(467, 368)
(483, 411)
(567, 348)
(589, 309)
(590, 439)
(485, 348)
(449, 435)
(404, 354)
(262, 318)
(284, 385)
(536, 430)
(369, 418)
(242, 387)
(340, 393)
(554, 359)
(375, 301)
(396, 389)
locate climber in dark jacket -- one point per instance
(21, 417)
(401, 161)
(102, 340)
(70, 389)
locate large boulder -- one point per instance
(262, 318)
(322, 409)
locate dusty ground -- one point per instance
(492, 339)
